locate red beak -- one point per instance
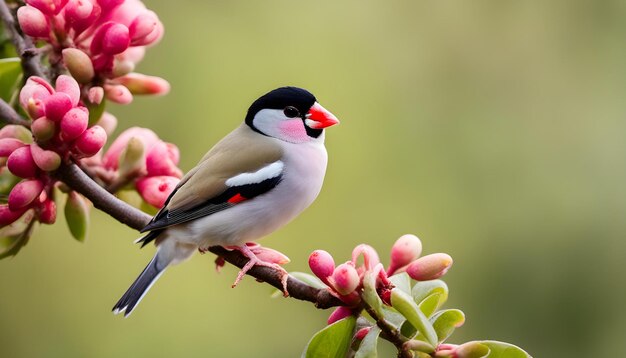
(319, 117)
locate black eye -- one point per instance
(291, 112)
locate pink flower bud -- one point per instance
(21, 163)
(406, 249)
(115, 40)
(35, 108)
(370, 256)
(118, 94)
(35, 91)
(8, 145)
(103, 64)
(108, 5)
(152, 38)
(155, 190)
(79, 64)
(33, 22)
(162, 159)
(80, 14)
(48, 7)
(46, 160)
(69, 86)
(43, 129)
(361, 333)
(339, 313)
(429, 267)
(95, 95)
(96, 42)
(322, 264)
(138, 83)
(48, 212)
(269, 255)
(142, 26)
(112, 155)
(74, 123)
(345, 279)
(90, 142)
(57, 105)
(24, 193)
(8, 216)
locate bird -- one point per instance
(252, 182)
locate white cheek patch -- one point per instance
(274, 123)
(268, 172)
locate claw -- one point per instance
(256, 261)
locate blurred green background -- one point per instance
(493, 130)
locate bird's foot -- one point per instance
(261, 256)
(203, 250)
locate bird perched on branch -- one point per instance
(252, 182)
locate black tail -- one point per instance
(139, 288)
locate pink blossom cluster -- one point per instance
(345, 281)
(139, 155)
(60, 127)
(99, 41)
(28, 161)
(60, 122)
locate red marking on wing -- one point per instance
(236, 199)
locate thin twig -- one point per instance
(23, 44)
(9, 115)
(391, 333)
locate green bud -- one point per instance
(471, 350)
(77, 215)
(79, 64)
(43, 129)
(132, 159)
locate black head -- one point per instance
(282, 98)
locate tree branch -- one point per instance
(23, 44)
(75, 178)
(9, 115)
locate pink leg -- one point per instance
(255, 261)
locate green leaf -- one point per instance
(430, 295)
(444, 322)
(370, 296)
(7, 182)
(77, 215)
(10, 75)
(402, 281)
(16, 235)
(332, 341)
(95, 111)
(504, 350)
(405, 304)
(368, 346)
(408, 330)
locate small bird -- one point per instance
(252, 182)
